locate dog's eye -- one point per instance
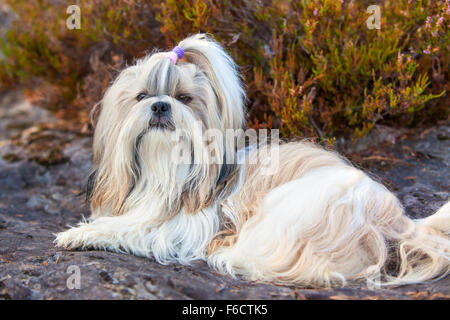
(184, 98)
(141, 96)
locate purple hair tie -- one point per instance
(175, 54)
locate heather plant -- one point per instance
(312, 68)
(68, 70)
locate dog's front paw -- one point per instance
(70, 239)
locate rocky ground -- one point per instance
(44, 164)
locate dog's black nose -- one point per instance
(160, 107)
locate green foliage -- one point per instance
(312, 68)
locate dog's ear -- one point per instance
(219, 67)
(109, 111)
(110, 185)
(209, 56)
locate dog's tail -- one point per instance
(423, 248)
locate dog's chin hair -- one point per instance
(315, 221)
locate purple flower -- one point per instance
(428, 23)
(315, 12)
(399, 57)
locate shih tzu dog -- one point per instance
(171, 181)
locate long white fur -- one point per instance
(316, 221)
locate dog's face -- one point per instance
(157, 112)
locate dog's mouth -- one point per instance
(162, 122)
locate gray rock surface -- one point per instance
(38, 200)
